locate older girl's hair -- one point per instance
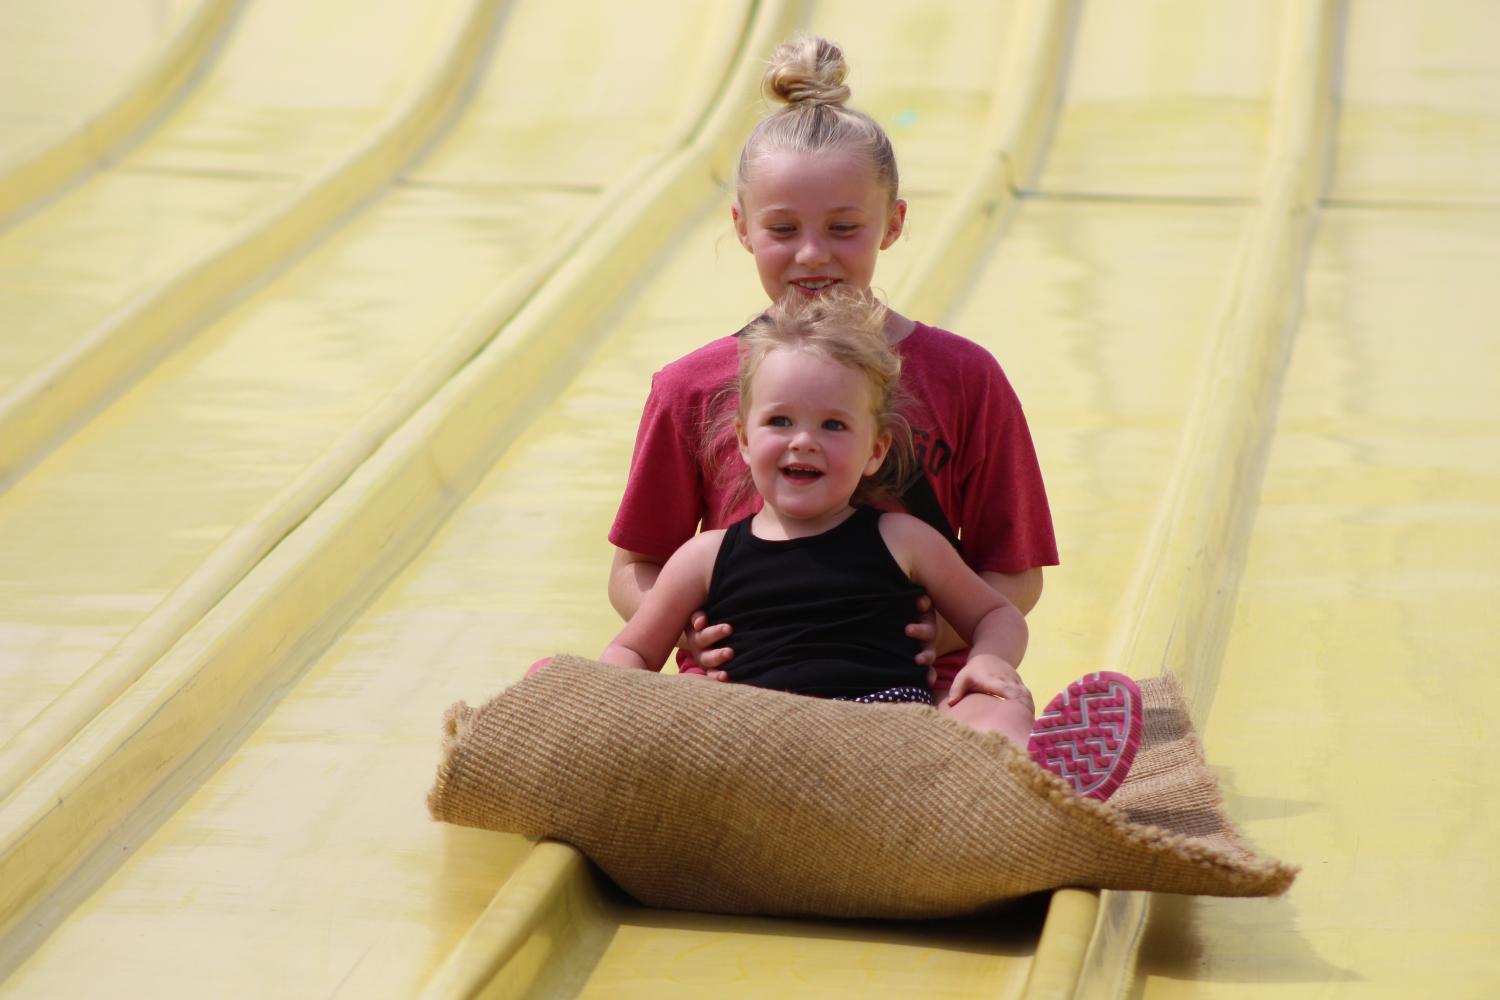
(847, 327)
(807, 76)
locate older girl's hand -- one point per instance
(925, 631)
(699, 640)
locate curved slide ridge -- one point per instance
(171, 716)
(398, 365)
(332, 441)
(1365, 594)
(65, 112)
(1184, 588)
(90, 366)
(1125, 255)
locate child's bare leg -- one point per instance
(989, 714)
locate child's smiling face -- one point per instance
(814, 220)
(809, 437)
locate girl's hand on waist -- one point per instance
(990, 675)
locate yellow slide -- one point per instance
(324, 329)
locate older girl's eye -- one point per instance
(844, 228)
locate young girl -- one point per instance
(820, 585)
(817, 200)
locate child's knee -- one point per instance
(992, 714)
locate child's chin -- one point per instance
(807, 508)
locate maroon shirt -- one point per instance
(967, 425)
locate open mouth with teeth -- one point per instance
(812, 286)
(801, 473)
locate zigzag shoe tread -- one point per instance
(1089, 733)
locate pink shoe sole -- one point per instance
(1089, 733)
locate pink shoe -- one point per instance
(1089, 733)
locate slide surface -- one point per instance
(320, 375)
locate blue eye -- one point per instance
(834, 425)
(779, 421)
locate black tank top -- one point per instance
(824, 615)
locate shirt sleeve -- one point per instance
(664, 495)
(1007, 522)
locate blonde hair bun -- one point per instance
(807, 71)
(807, 74)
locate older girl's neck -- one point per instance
(897, 327)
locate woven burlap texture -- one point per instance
(731, 799)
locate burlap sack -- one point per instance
(697, 795)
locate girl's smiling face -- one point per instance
(814, 220)
(809, 436)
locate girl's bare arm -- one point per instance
(989, 622)
(678, 590)
(631, 577)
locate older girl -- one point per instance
(817, 200)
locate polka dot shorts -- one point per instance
(893, 696)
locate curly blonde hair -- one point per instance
(845, 326)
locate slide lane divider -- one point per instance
(1184, 588)
(139, 106)
(129, 765)
(46, 733)
(52, 402)
(548, 913)
(539, 936)
(23, 752)
(1016, 129)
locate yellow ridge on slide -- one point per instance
(367, 468)
(1184, 586)
(92, 365)
(157, 715)
(1350, 710)
(345, 442)
(87, 79)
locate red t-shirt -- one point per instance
(967, 425)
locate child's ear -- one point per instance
(739, 435)
(894, 224)
(881, 449)
(740, 229)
